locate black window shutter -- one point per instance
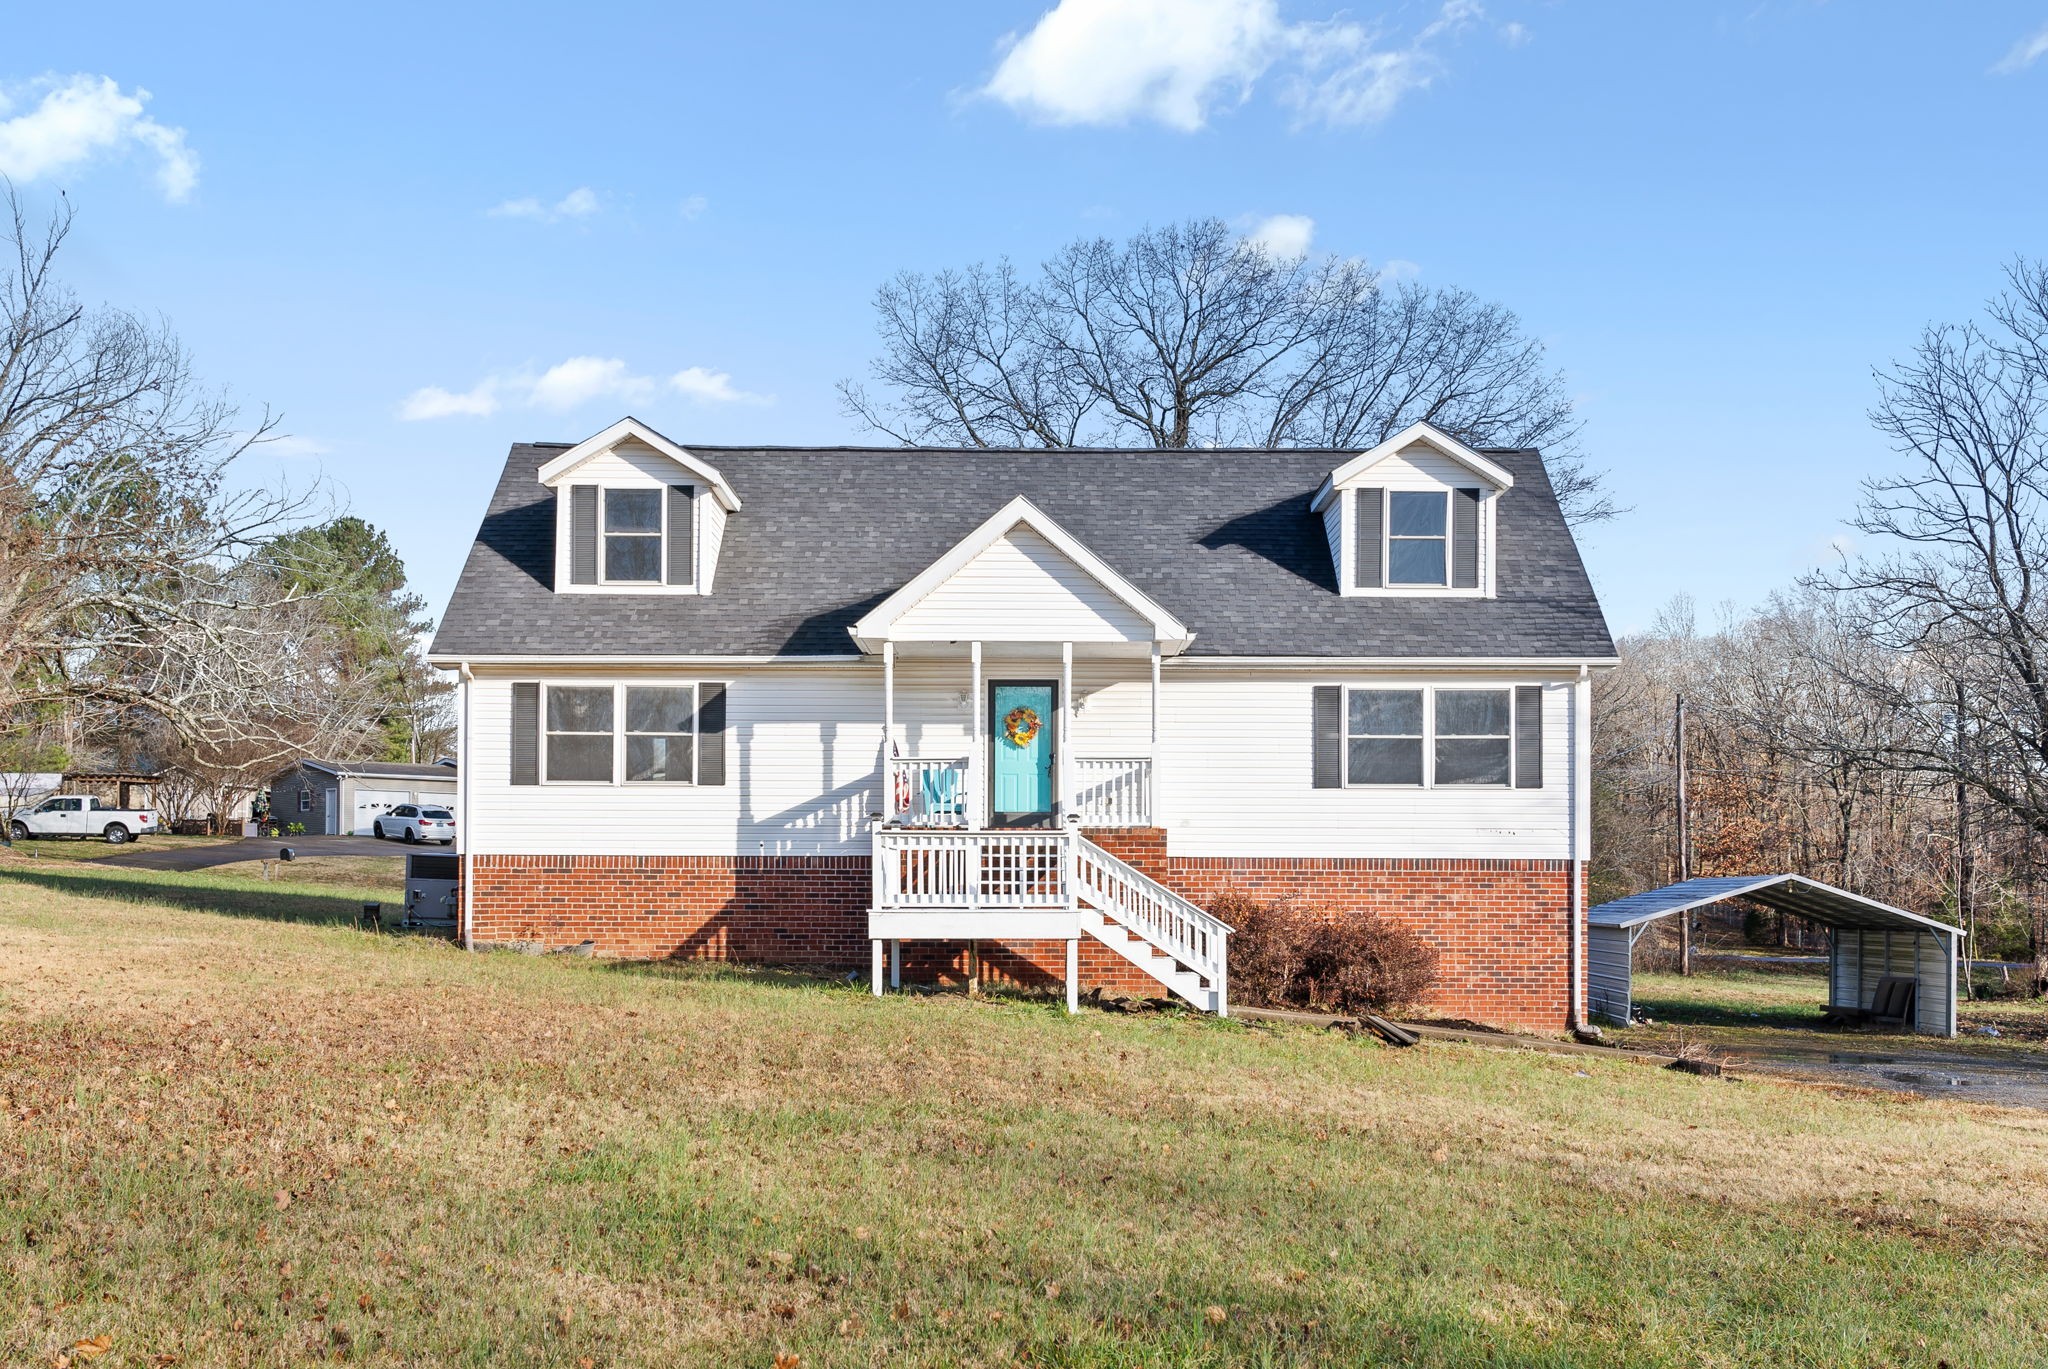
(1329, 731)
(682, 564)
(711, 734)
(1528, 736)
(1370, 553)
(583, 534)
(1465, 539)
(526, 733)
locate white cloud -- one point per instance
(707, 386)
(1283, 235)
(1514, 34)
(1107, 61)
(431, 401)
(1397, 269)
(579, 203)
(1176, 61)
(579, 380)
(291, 447)
(694, 207)
(571, 384)
(2025, 53)
(77, 118)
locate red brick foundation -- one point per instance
(1499, 926)
(776, 910)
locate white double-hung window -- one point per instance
(1418, 537)
(632, 536)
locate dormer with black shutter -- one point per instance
(636, 514)
(1414, 517)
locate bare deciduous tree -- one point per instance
(117, 512)
(1189, 335)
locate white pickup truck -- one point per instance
(81, 815)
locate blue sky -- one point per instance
(397, 227)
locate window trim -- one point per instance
(660, 535)
(1429, 733)
(619, 687)
(1421, 738)
(1388, 537)
(1506, 738)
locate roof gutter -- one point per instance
(1582, 800)
(464, 807)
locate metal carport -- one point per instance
(1869, 941)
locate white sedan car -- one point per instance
(413, 822)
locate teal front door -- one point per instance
(1020, 735)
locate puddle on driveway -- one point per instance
(2016, 1080)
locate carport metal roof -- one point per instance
(1795, 894)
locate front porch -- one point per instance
(1009, 641)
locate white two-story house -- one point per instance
(1022, 714)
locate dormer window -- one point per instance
(636, 514)
(632, 536)
(1414, 516)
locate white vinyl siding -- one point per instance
(1240, 756)
(711, 518)
(1338, 527)
(1021, 588)
(804, 745)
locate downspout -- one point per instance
(1581, 802)
(468, 810)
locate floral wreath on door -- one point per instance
(1021, 724)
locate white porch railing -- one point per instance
(928, 793)
(1155, 913)
(972, 870)
(1113, 791)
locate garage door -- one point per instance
(371, 802)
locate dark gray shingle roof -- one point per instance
(397, 770)
(1224, 540)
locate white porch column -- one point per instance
(1157, 798)
(1073, 974)
(977, 799)
(896, 963)
(876, 966)
(888, 731)
(1065, 804)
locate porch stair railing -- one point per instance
(1177, 942)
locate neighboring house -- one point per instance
(335, 798)
(26, 788)
(1027, 710)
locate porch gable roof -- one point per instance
(1119, 610)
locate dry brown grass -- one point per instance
(235, 1141)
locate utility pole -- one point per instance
(1684, 839)
(1965, 904)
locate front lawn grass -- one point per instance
(94, 848)
(235, 1140)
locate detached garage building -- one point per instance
(337, 798)
(1872, 946)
